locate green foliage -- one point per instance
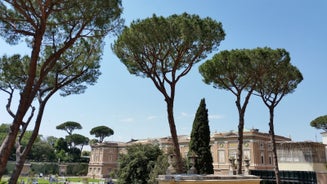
(160, 168)
(65, 18)
(77, 139)
(79, 169)
(200, 140)
(137, 164)
(165, 50)
(74, 155)
(233, 71)
(229, 70)
(42, 151)
(13, 71)
(158, 45)
(101, 132)
(45, 167)
(10, 167)
(320, 123)
(53, 31)
(61, 144)
(276, 76)
(69, 126)
(4, 128)
(86, 153)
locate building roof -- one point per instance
(252, 133)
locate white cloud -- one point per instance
(127, 120)
(184, 114)
(216, 116)
(151, 117)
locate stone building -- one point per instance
(103, 159)
(256, 147)
(301, 156)
(308, 156)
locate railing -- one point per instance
(287, 177)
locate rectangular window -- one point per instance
(232, 153)
(262, 158)
(247, 154)
(221, 156)
(262, 145)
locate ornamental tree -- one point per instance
(277, 78)
(320, 123)
(138, 163)
(165, 50)
(101, 132)
(233, 71)
(50, 28)
(69, 126)
(200, 140)
(77, 140)
(79, 67)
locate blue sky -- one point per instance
(134, 108)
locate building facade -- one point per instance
(103, 159)
(256, 147)
(305, 156)
(301, 156)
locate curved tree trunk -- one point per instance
(241, 111)
(20, 162)
(173, 131)
(6, 147)
(9, 142)
(26, 99)
(273, 142)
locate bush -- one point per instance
(79, 169)
(45, 168)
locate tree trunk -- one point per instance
(20, 162)
(6, 147)
(9, 142)
(273, 142)
(171, 121)
(240, 143)
(240, 133)
(25, 101)
(241, 113)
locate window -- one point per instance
(307, 156)
(232, 153)
(247, 154)
(262, 145)
(262, 158)
(221, 156)
(270, 158)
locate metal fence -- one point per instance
(287, 177)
